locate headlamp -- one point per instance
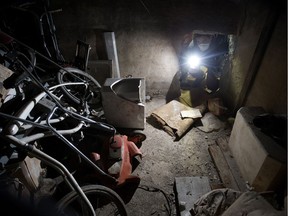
(193, 61)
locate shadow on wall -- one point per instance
(174, 89)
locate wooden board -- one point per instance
(188, 190)
(222, 167)
(223, 143)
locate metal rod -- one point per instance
(69, 144)
(68, 177)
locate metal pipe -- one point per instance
(69, 144)
(68, 177)
(38, 136)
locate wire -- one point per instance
(23, 120)
(168, 199)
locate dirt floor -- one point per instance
(164, 159)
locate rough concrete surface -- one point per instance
(164, 159)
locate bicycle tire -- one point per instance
(74, 93)
(70, 204)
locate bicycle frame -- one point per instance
(47, 33)
(45, 24)
(19, 124)
(68, 177)
(15, 130)
(52, 29)
(17, 121)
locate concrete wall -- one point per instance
(148, 33)
(144, 48)
(270, 87)
(245, 41)
(254, 78)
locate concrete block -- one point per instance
(262, 162)
(188, 190)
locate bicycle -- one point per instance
(23, 61)
(66, 83)
(15, 132)
(42, 32)
(96, 191)
(45, 40)
(23, 133)
(44, 44)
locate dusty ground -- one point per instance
(164, 159)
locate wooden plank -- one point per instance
(4, 73)
(222, 167)
(223, 143)
(188, 190)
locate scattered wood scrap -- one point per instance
(223, 143)
(222, 167)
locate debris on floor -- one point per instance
(166, 161)
(177, 117)
(210, 123)
(194, 198)
(169, 116)
(194, 113)
(252, 203)
(215, 202)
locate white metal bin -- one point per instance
(123, 102)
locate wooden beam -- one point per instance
(223, 144)
(222, 167)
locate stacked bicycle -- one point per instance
(54, 145)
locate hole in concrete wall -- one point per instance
(204, 61)
(202, 57)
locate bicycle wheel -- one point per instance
(88, 91)
(104, 201)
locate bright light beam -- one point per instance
(193, 61)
